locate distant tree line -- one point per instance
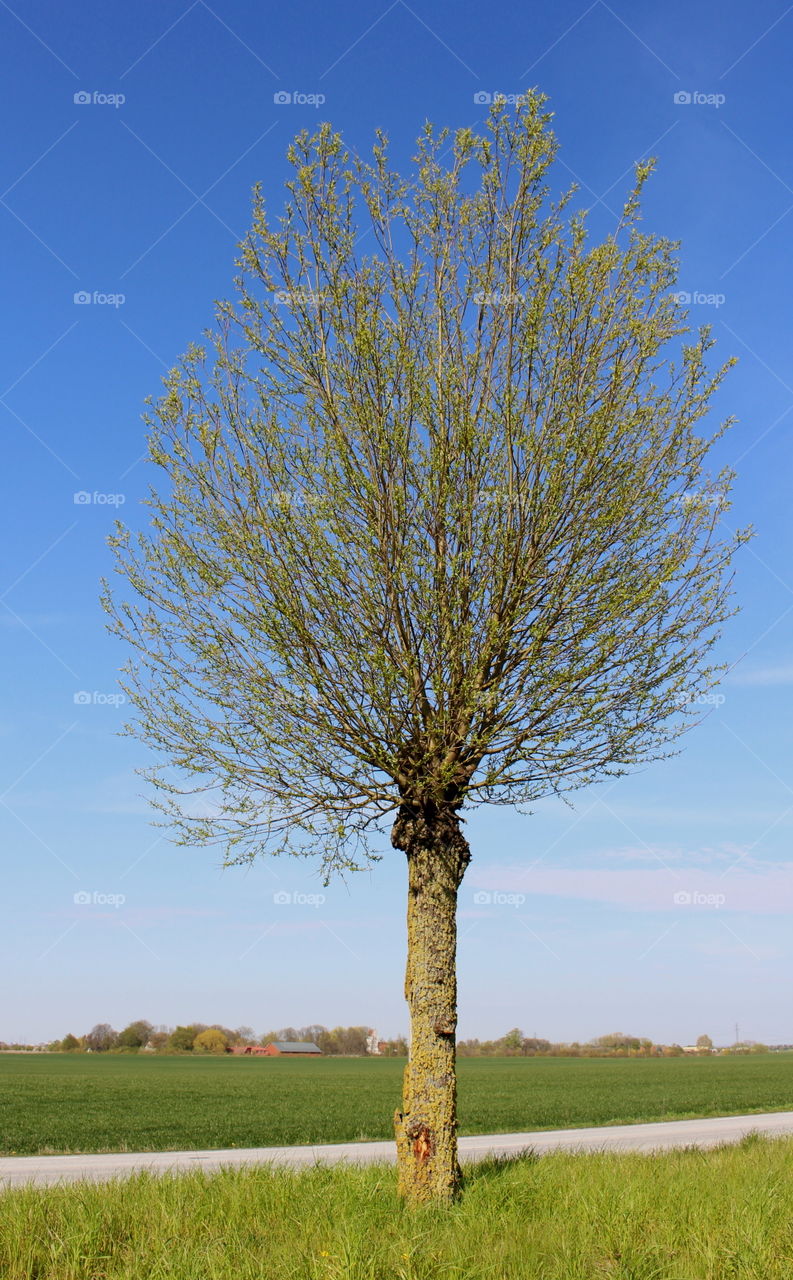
(515, 1044)
(613, 1045)
(342, 1041)
(198, 1038)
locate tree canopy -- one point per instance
(436, 525)
(136, 1035)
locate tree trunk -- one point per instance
(426, 1127)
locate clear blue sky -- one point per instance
(146, 198)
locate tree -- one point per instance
(135, 1035)
(244, 1035)
(617, 1042)
(352, 1040)
(532, 1045)
(101, 1038)
(435, 530)
(212, 1040)
(512, 1041)
(327, 1042)
(397, 1048)
(311, 1033)
(704, 1044)
(286, 1033)
(69, 1043)
(181, 1038)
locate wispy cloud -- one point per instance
(764, 676)
(703, 857)
(767, 890)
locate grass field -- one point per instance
(57, 1102)
(724, 1214)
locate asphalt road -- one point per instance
(16, 1170)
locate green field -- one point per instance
(59, 1102)
(725, 1214)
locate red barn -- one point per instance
(291, 1049)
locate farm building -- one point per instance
(279, 1049)
(291, 1048)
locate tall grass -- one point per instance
(685, 1215)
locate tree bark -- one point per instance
(426, 1127)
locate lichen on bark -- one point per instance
(426, 1126)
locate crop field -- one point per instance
(61, 1103)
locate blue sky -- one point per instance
(660, 903)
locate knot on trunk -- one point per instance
(432, 831)
(423, 1142)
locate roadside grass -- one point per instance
(99, 1102)
(721, 1214)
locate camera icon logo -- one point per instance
(82, 699)
(682, 296)
(683, 898)
(682, 98)
(482, 898)
(82, 898)
(82, 297)
(281, 98)
(82, 97)
(482, 99)
(282, 898)
(81, 498)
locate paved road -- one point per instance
(15, 1170)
